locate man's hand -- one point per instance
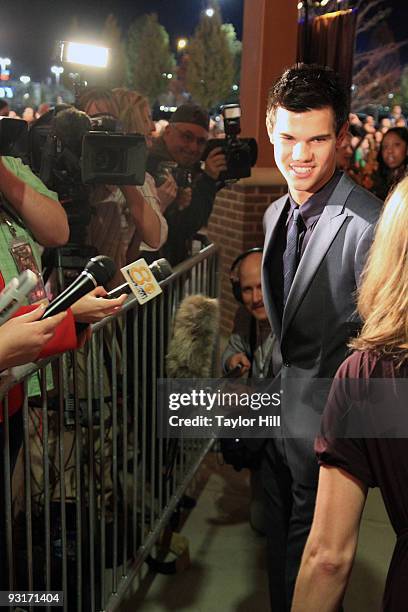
(146, 219)
(239, 359)
(167, 192)
(22, 338)
(93, 307)
(215, 163)
(183, 199)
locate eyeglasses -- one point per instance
(189, 138)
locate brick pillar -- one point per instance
(236, 225)
(269, 46)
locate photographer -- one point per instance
(112, 205)
(183, 142)
(135, 118)
(250, 348)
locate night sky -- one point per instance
(29, 29)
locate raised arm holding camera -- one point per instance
(183, 143)
(124, 215)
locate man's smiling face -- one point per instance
(305, 149)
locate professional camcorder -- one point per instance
(69, 152)
(91, 151)
(240, 153)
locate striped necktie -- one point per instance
(290, 256)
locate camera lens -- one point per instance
(107, 160)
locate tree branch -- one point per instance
(364, 26)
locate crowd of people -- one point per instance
(160, 218)
(327, 240)
(374, 154)
(125, 222)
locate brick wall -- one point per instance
(235, 226)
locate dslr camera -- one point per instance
(182, 176)
(240, 153)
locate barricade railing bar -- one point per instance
(88, 486)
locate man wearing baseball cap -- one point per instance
(182, 144)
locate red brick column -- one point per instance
(269, 46)
(236, 225)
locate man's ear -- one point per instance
(166, 131)
(342, 132)
(269, 129)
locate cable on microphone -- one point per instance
(98, 271)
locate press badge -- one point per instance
(24, 259)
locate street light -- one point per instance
(210, 12)
(4, 62)
(25, 79)
(181, 44)
(4, 73)
(57, 70)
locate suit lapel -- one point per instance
(329, 224)
(274, 215)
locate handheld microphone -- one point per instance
(14, 294)
(98, 271)
(161, 269)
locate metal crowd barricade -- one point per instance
(89, 498)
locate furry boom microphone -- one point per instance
(191, 349)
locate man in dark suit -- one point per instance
(316, 241)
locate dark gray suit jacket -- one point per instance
(320, 313)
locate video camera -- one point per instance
(65, 145)
(69, 151)
(67, 141)
(240, 153)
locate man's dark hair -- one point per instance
(306, 87)
(70, 125)
(3, 105)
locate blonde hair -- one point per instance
(383, 296)
(101, 99)
(132, 107)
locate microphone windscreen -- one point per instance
(102, 268)
(191, 349)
